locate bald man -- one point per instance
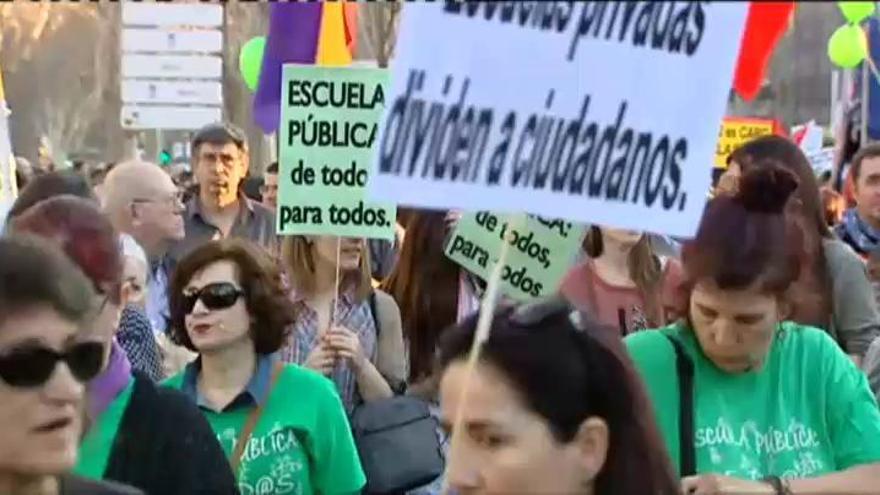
(142, 201)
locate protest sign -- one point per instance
(822, 161)
(329, 122)
(737, 131)
(602, 112)
(541, 251)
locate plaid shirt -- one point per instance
(135, 336)
(355, 316)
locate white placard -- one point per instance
(600, 112)
(170, 14)
(171, 40)
(168, 117)
(172, 66)
(175, 92)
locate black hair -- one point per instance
(566, 375)
(219, 133)
(49, 185)
(272, 168)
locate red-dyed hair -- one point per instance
(747, 239)
(85, 235)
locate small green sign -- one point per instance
(541, 251)
(329, 125)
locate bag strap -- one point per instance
(245, 435)
(685, 371)
(375, 312)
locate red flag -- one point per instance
(765, 25)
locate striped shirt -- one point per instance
(304, 337)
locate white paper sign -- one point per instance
(602, 112)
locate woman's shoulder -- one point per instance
(574, 285)
(799, 338)
(839, 254)
(166, 399)
(383, 297)
(74, 485)
(653, 346)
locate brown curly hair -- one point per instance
(264, 293)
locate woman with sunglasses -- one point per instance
(748, 401)
(137, 433)
(353, 336)
(46, 303)
(283, 427)
(550, 409)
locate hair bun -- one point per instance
(766, 187)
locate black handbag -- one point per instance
(687, 455)
(398, 444)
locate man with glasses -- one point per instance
(142, 201)
(220, 210)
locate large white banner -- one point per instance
(602, 112)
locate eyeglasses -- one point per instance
(219, 295)
(32, 366)
(173, 201)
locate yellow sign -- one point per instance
(735, 132)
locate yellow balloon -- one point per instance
(848, 46)
(856, 12)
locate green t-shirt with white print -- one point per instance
(302, 443)
(807, 412)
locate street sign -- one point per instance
(174, 92)
(169, 117)
(169, 40)
(170, 14)
(172, 66)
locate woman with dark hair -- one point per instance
(51, 184)
(550, 409)
(428, 288)
(833, 290)
(623, 284)
(776, 406)
(283, 427)
(137, 433)
(46, 307)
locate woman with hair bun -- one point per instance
(748, 401)
(833, 289)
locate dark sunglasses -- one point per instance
(219, 295)
(32, 366)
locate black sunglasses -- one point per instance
(219, 295)
(33, 365)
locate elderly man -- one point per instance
(142, 201)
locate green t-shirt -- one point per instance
(302, 443)
(807, 412)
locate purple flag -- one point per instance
(294, 29)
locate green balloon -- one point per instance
(250, 61)
(856, 12)
(847, 47)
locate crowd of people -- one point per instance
(204, 354)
